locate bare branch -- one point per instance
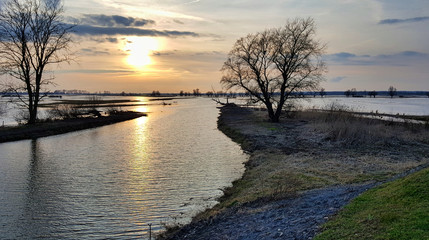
(273, 64)
(33, 36)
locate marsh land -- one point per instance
(49, 128)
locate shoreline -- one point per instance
(298, 175)
(45, 129)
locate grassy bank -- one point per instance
(312, 150)
(396, 210)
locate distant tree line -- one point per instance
(391, 91)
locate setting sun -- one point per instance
(139, 50)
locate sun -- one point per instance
(139, 50)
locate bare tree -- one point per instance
(392, 91)
(322, 92)
(372, 94)
(33, 35)
(274, 64)
(348, 93)
(196, 92)
(351, 92)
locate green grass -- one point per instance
(396, 210)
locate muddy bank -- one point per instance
(298, 176)
(45, 129)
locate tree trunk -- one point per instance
(273, 117)
(33, 116)
(32, 110)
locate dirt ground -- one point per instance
(303, 170)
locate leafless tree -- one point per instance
(392, 91)
(348, 93)
(33, 36)
(196, 92)
(322, 92)
(273, 64)
(351, 92)
(372, 94)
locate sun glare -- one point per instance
(139, 50)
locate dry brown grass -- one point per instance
(341, 124)
(318, 149)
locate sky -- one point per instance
(173, 45)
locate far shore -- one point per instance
(44, 129)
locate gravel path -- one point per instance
(296, 218)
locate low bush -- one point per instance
(22, 116)
(64, 111)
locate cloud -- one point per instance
(112, 40)
(110, 26)
(405, 58)
(392, 21)
(114, 21)
(114, 31)
(94, 52)
(96, 71)
(338, 79)
(191, 2)
(105, 39)
(178, 21)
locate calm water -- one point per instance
(408, 106)
(110, 182)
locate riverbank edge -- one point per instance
(203, 222)
(45, 129)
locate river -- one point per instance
(111, 182)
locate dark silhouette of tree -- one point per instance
(155, 93)
(372, 94)
(427, 94)
(209, 94)
(348, 93)
(274, 64)
(196, 92)
(181, 93)
(351, 92)
(33, 36)
(322, 92)
(392, 91)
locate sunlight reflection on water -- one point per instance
(110, 182)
